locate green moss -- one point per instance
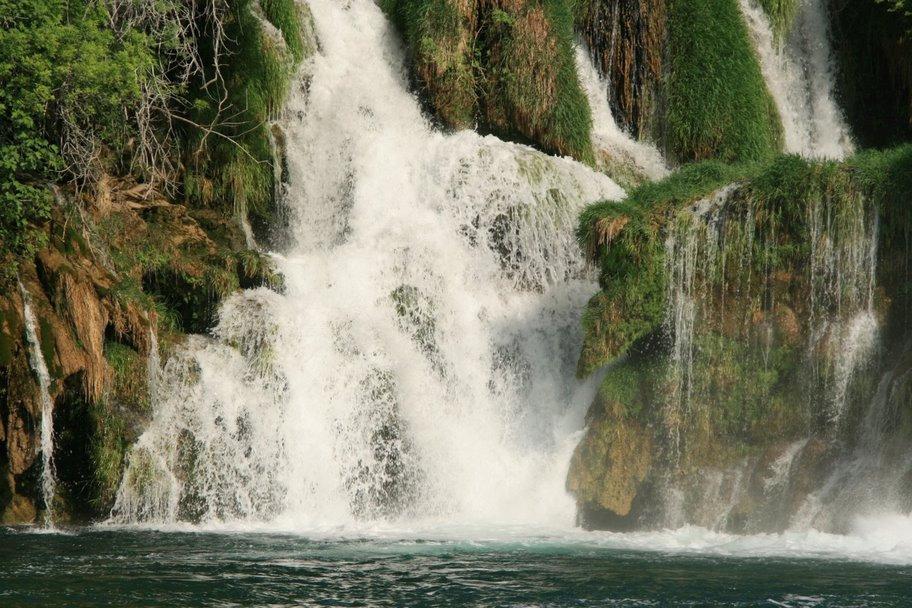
(508, 66)
(48, 343)
(717, 102)
(627, 240)
(112, 434)
(781, 14)
(442, 50)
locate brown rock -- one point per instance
(611, 462)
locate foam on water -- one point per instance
(884, 538)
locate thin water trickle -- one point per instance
(39, 366)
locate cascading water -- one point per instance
(417, 365)
(39, 366)
(606, 134)
(799, 75)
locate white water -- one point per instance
(606, 135)
(419, 366)
(799, 74)
(39, 366)
(884, 539)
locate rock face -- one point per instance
(132, 265)
(504, 65)
(750, 373)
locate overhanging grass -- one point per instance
(718, 104)
(507, 67)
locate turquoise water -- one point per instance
(103, 567)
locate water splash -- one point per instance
(39, 366)
(419, 364)
(799, 75)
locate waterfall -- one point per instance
(153, 364)
(606, 134)
(799, 74)
(418, 366)
(39, 366)
(711, 249)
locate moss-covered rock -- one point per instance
(507, 66)
(717, 102)
(724, 313)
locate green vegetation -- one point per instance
(67, 81)
(508, 66)
(111, 116)
(781, 14)
(161, 92)
(442, 47)
(627, 240)
(717, 102)
(233, 166)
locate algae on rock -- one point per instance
(739, 322)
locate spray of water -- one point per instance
(419, 364)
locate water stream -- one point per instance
(39, 366)
(799, 72)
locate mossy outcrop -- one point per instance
(139, 246)
(505, 66)
(731, 318)
(117, 269)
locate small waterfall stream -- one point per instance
(39, 366)
(799, 74)
(606, 134)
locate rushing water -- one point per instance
(800, 75)
(419, 364)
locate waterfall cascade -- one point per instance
(39, 366)
(799, 74)
(419, 363)
(606, 134)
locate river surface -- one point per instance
(689, 567)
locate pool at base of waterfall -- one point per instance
(105, 566)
